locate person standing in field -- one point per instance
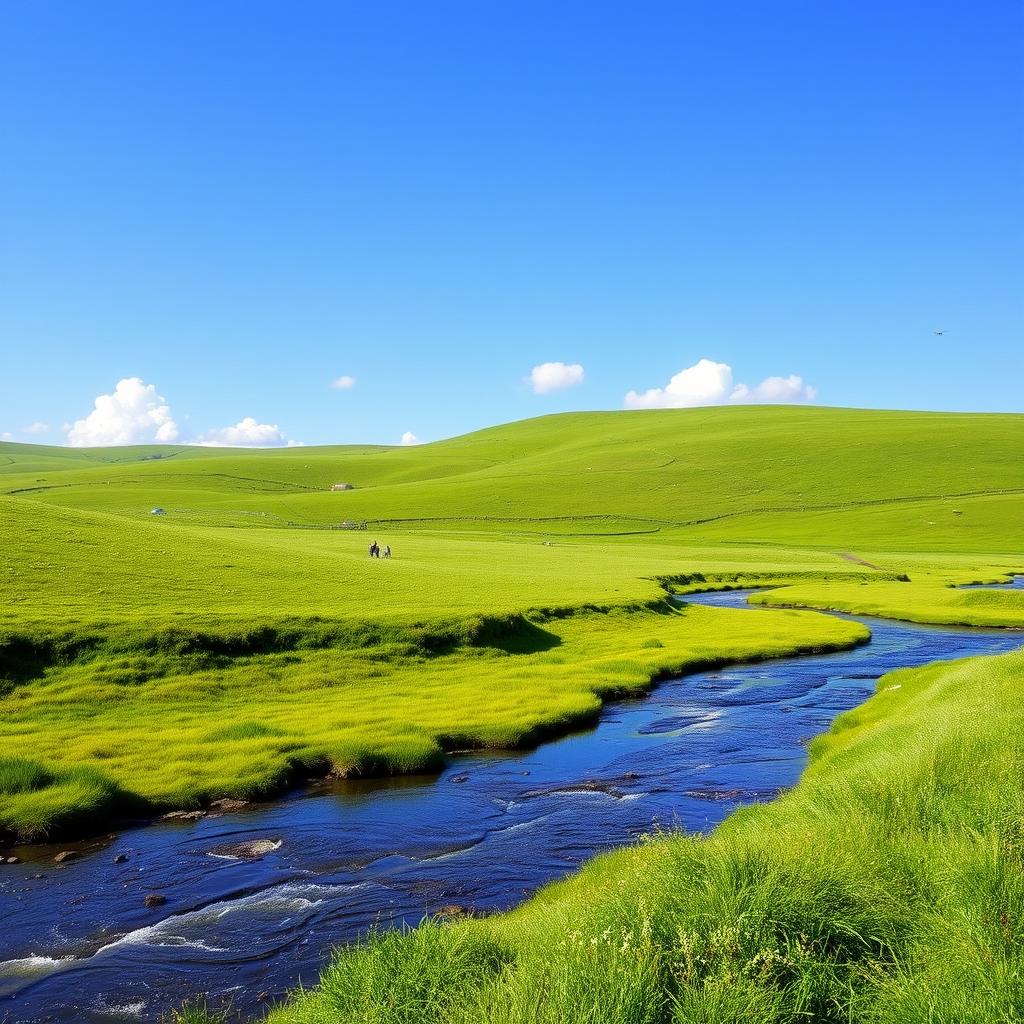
(387, 550)
(375, 550)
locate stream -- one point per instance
(78, 945)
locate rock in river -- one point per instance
(249, 850)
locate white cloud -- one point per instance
(247, 433)
(36, 428)
(343, 383)
(775, 390)
(704, 383)
(6, 436)
(410, 438)
(549, 377)
(133, 414)
(710, 383)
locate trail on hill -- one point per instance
(851, 557)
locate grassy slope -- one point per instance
(176, 622)
(637, 470)
(887, 887)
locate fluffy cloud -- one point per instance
(710, 383)
(247, 433)
(410, 438)
(343, 383)
(36, 428)
(133, 414)
(776, 390)
(554, 377)
(6, 436)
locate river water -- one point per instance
(77, 944)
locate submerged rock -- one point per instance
(120, 858)
(66, 855)
(13, 860)
(250, 850)
(154, 899)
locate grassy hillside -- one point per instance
(122, 632)
(591, 473)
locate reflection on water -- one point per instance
(319, 868)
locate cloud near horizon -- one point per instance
(132, 414)
(135, 414)
(410, 438)
(548, 377)
(36, 428)
(343, 383)
(247, 433)
(711, 383)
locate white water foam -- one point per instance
(285, 899)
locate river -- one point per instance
(77, 944)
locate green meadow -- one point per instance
(243, 642)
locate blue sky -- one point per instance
(238, 203)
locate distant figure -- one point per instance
(375, 550)
(387, 550)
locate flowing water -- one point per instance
(77, 943)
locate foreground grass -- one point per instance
(177, 719)
(888, 886)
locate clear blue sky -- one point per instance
(238, 202)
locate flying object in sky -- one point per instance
(938, 332)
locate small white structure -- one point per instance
(342, 487)
(158, 511)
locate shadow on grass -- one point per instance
(526, 638)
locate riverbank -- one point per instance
(887, 886)
(115, 727)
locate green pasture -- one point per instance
(212, 633)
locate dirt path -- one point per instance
(851, 557)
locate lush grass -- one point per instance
(887, 887)
(38, 800)
(917, 603)
(177, 722)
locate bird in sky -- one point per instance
(938, 332)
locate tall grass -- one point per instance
(888, 886)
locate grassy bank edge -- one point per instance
(888, 886)
(98, 803)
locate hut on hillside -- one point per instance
(342, 487)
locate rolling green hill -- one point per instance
(725, 473)
(564, 530)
